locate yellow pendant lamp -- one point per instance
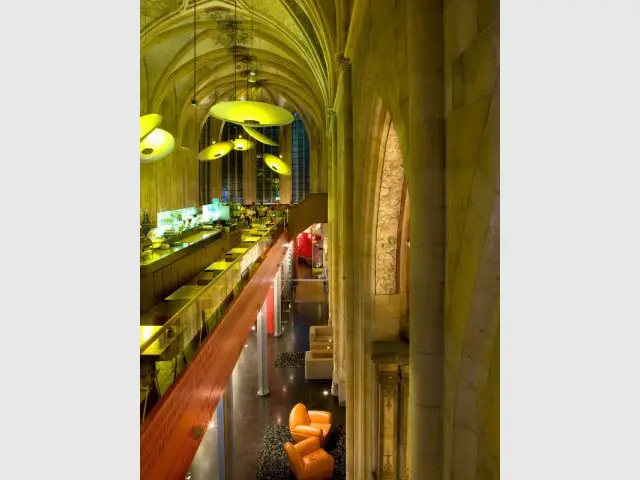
(276, 164)
(148, 123)
(242, 144)
(215, 151)
(251, 114)
(156, 145)
(259, 137)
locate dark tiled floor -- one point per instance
(251, 413)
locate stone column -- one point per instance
(330, 139)
(285, 151)
(425, 174)
(263, 379)
(249, 186)
(345, 166)
(388, 393)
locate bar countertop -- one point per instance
(162, 257)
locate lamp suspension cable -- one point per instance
(193, 100)
(235, 47)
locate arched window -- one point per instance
(204, 168)
(299, 161)
(267, 181)
(232, 166)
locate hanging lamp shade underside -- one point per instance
(251, 114)
(157, 145)
(243, 144)
(277, 165)
(215, 151)
(259, 137)
(148, 123)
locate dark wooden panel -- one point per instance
(166, 281)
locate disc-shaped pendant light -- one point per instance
(148, 123)
(251, 114)
(242, 144)
(215, 151)
(157, 145)
(277, 165)
(259, 137)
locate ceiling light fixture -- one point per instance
(243, 144)
(215, 151)
(157, 145)
(148, 123)
(277, 165)
(249, 113)
(259, 136)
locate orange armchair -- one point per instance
(308, 461)
(312, 423)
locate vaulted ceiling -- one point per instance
(288, 43)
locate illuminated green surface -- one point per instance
(251, 114)
(157, 145)
(219, 265)
(215, 151)
(147, 331)
(243, 144)
(250, 238)
(277, 165)
(148, 123)
(238, 250)
(259, 137)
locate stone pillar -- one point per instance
(285, 151)
(345, 167)
(249, 186)
(388, 403)
(425, 174)
(263, 379)
(333, 270)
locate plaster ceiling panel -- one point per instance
(160, 54)
(152, 10)
(279, 15)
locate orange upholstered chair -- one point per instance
(313, 423)
(308, 461)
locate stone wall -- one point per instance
(472, 109)
(379, 74)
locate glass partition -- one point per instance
(171, 332)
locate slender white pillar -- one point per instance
(224, 420)
(263, 380)
(277, 301)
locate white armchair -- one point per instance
(320, 333)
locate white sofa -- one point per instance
(318, 365)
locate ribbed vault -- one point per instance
(289, 43)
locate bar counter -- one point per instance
(165, 270)
(163, 257)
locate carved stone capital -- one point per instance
(344, 64)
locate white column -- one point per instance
(224, 420)
(263, 380)
(277, 301)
